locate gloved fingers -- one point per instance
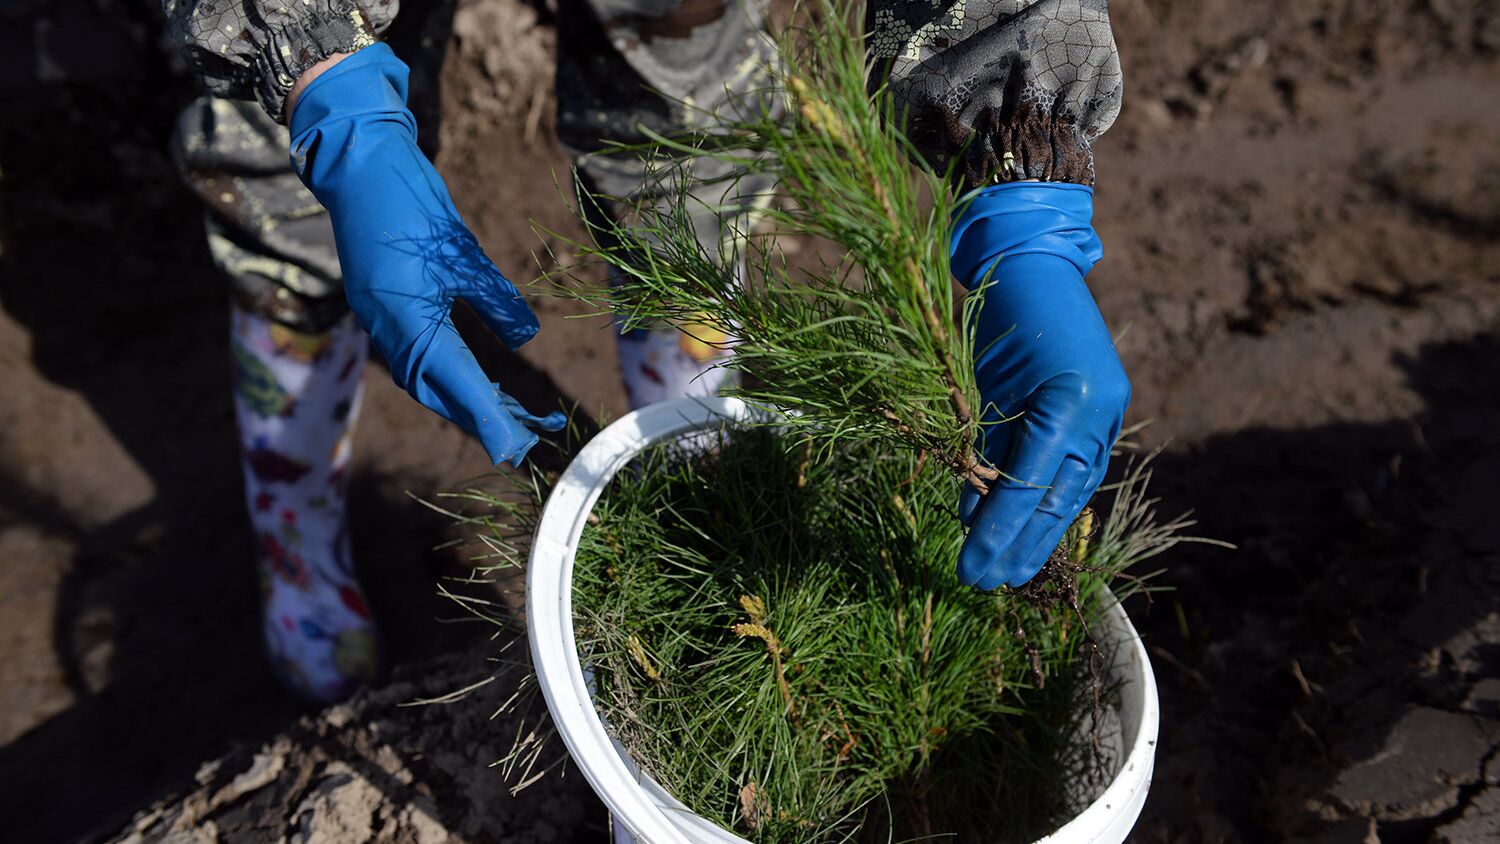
(969, 500)
(501, 306)
(1034, 459)
(1067, 514)
(554, 421)
(1084, 496)
(449, 381)
(1096, 478)
(507, 441)
(456, 267)
(505, 438)
(996, 441)
(1033, 545)
(1040, 443)
(1038, 548)
(1002, 515)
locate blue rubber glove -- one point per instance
(405, 253)
(1044, 357)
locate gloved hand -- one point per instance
(1044, 356)
(405, 253)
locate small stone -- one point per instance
(263, 771)
(338, 717)
(340, 808)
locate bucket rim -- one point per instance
(634, 799)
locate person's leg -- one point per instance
(624, 65)
(660, 362)
(299, 363)
(297, 397)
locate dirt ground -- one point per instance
(1301, 211)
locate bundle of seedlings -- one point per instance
(780, 642)
(772, 619)
(777, 638)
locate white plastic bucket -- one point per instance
(639, 805)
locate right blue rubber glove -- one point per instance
(1045, 362)
(405, 253)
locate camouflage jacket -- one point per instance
(1003, 89)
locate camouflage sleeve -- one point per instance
(628, 66)
(1005, 89)
(256, 49)
(665, 65)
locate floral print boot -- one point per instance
(297, 397)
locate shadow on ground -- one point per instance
(1330, 675)
(112, 299)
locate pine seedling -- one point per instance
(863, 347)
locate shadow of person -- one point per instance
(1348, 631)
(155, 622)
(156, 626)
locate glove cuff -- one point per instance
(365, 94)
(1020, 218)
(372, 80)
(314, 31)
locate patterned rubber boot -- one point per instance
(297, 397)
(660, 362)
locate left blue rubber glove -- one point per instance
(1045, 362)
(405, 253)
